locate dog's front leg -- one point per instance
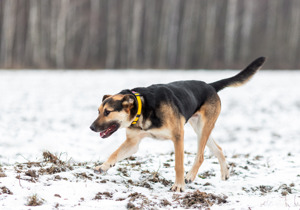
(129, 147)
(179, 164)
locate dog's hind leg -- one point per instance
(129, 147)
(203, 122)
(217, 151)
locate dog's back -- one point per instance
(186, 97)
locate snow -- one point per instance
(258, 130)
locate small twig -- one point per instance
(295, 203)
(286, 202)
(25, 158)
(62, 153)
(29, 162)
(122, 176)
(153, 173)
(20, 181)
(158, 168)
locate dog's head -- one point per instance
(115, 112)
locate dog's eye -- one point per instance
(106, 112)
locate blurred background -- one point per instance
(151, 34)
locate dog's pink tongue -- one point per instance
(106, 133)
(102, 134)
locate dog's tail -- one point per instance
(241, 78)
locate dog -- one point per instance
(160, 111)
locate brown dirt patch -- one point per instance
(31, 173)
(5, 190)
(2, 174)
(124, 171)
(206, 174)
(199, 199)
(83, 175)
(34, 200)
(103, 195)
(49, 157)
(165, 202)
(138, 201)
(158, 179)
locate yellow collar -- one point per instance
(138, 114)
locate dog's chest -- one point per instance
(160, 134)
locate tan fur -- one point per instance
(203, 122)
(118, 97)
(178, 186)
(217, 151)
(238, 84)
(122, 116)
(175, 125)
(129, 147)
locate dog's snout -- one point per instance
(92, 127)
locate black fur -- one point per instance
(242, 77)
(115, 104)
(185, 97)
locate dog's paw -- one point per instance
(188, 181)
(225, 173)
(190, 177)
(177, 188)
(100, 169)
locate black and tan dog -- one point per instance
(160, 111)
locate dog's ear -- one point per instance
(128, 101)
(105, 97)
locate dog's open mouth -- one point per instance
(110, 130)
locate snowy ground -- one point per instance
(258, 130)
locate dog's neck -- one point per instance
(139, 105)
(141, 123)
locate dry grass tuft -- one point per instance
(34, 200)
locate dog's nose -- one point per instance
(92, 127)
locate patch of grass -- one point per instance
(285, 189)
(103, 195)
(124, 171)
(262, 189)
(5, 190)
(199, 199)
(34, 200)
(31, 173)
(49, 157)
(83, 175)
(2, 174)
(157, 178)
(150, 178)
(165, 202)
(138, 201)
(206, 174)
(57, 166)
